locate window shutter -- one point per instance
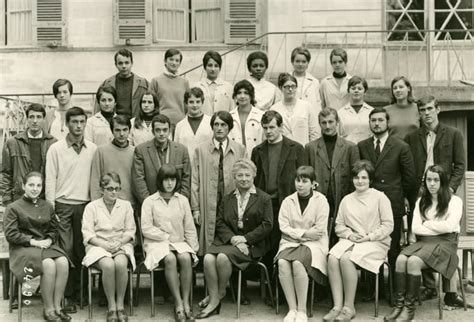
(132, 22)
(48, 23)
(207, 21)
(242, 20)
(171, 21)
(469, 202)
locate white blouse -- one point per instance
(355, 126)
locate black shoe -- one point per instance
(51, 316)
(413, 283)
(456, 301)
(69, 306)
(202, 315)
(14, 304)
(428, 294)
(64, 316)
(244, 300)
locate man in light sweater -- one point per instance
(68, 173)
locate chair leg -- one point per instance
(130, 285)
(239, 289)
(137, 288)
(20, 301)
(462, 289)
(152, 294)
(376, 314)
(193, 278)
(267, 276)
(390, 285)
(440, 297)
(311, 299)
(10, 300)
(81, 291)
(277, 293)
(89, 291)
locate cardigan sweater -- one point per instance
(68, 173)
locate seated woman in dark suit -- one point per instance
(31, 230)
(436, 224)
(243, 225)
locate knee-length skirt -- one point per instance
(236, 257)
(303, 254)
(156, 251)
(438, 252)
(29, 260)
(94, 253)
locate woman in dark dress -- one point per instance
(243, 225)
(31, 230)
(436, 224)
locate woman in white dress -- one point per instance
(303, 249)
(108, 228)
(299, 121)
(195, 128)
(333, 88)
(170, 238)
(363, 224)
(141, 130)
(98, 128)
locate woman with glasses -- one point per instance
(299, 121)
(108, 228)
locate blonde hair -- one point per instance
(244, 164)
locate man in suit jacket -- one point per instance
(149, 157)
(436, 143)
(332, 158)
(394, 172)
(277, 159)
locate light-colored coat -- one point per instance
(98, 222)
(368, 213)
(141, 135)
(253, 129)
(167, 226)
(308, 90)
(204, 183)
(184, 134)
(354, 126)
(293, 225)
(222, 96)
(98, 130)
(299, 124)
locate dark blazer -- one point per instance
(146, 165)
(344, 156)
(394, 170)
(448, 152)
(258, 222)
(292, 156)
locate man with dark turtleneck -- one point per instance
(332, 158)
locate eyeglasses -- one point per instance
(112, 189)
(288, 87)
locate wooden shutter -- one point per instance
(207, 21)
(242, 20)
(48, 23)
(171, 21)
(469, 202)
(132, 22)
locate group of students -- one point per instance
(307, 178)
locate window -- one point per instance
(403, 16)
(453, 15)
(186, 21)
(32, 22)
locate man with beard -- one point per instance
(394, 172)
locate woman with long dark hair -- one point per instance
(436, 224)
(141, 129)
(98, 128)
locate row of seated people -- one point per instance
(243, 226)
(73, 164)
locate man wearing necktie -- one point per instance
(394, 171)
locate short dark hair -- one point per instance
(284, 77)
(160, 118)
(106, 89)
(173, 51)
(211, 54)
(306, 171)
(167, 171)
(300, 51)
(426, 100)
(257, 55)
(268, 116)
(224, 116)
(338, 52)
(380, 110)
(107, 177)
(363, 165)
(245, 84)
(35, 107)
(75, 111)
(121, 120)
(325, 112)
(61, 82)
(194, 91)
(410, 97)
(32, 174)
(125, 53)
(357, 80)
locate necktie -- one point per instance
(220, 177)
(377, 148)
